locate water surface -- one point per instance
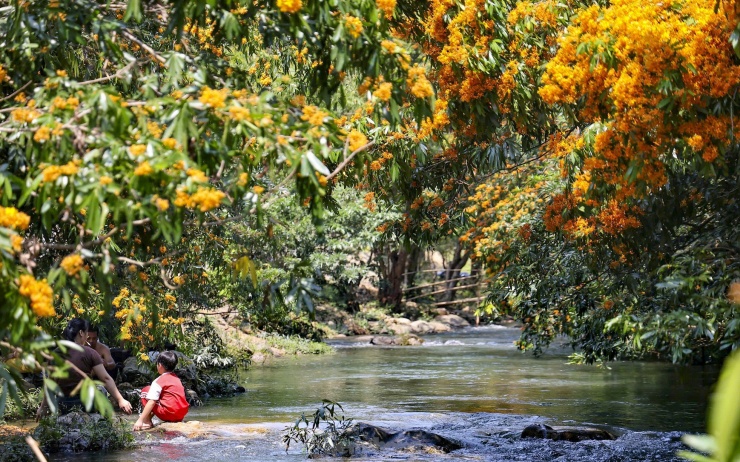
(473, 386)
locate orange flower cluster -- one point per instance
(464, 34)
(503, 209)
(418, 83)
(624, 83)
(386, 6)
(314, 115)
(138, 322)
(10, 217)
(40, 294)
(289, 6)
(204, 199)
(52, 172)
(72, 264)
(356, 140)
(353, 26)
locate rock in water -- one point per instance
(572, 434)
(383, 439)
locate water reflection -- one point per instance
(480, 372)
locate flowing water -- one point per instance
(472, 386)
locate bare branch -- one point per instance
(346, 161)
(120, 73)
(12, 95)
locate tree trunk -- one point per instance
(391, 290)
(453, 273)
(412, 269)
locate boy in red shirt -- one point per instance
(165, 398)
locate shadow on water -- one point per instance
(473, 386)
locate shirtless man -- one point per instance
(102, 349)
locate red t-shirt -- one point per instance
(170, 394)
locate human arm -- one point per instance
(146, 416)
(108, 361)
(110, 385)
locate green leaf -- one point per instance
(102, 404)
(317, 164)
(87, 393)
(724, 416)
(702, 443)
(133, 10)
(51, 391)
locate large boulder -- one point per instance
(438, 327)
(400, 329)
(452, 320)
(572, 434)
(136, 374)
(421, 327)
(186, 371)
(79, 431)
(383, 439)
(383, 340)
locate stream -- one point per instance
(472, 386)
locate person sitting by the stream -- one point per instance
(84, 361)
(165, 398)
(103, 351)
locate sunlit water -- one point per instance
(473, 386)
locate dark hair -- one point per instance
(74, 327)
(93, 328)
(168, 360)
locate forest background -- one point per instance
(161, 159)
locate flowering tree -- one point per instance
(585, 151)
(128, 129)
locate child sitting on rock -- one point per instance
(165, 398)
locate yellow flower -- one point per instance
(289, 6)
(206, 199)
(143, 169)
(39, 293)
(162, 204)
(356, 140)
(106, 180)
(62, 73)
(52, 172)
(353, 26)
(12, 218)
(16, 242)
(313, 115)
(213, 98)
(137, 149)
(144, 357)
(179, 280)
(25, 115)
(418, 83)
(239, 113)
(42, 134)
(383, 92)
(72, 264)
(197, 175)
(169, 143)
(258, 189)
(243, 178)
(387, 6)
